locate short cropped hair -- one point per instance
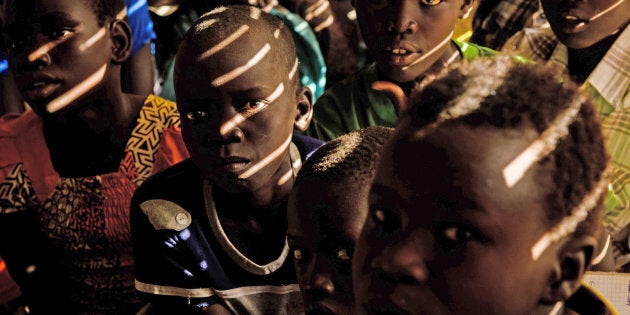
(106, 10)
(504, 93)
(352, 157)
(227, 19)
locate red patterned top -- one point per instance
(85, 219)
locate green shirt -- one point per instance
(352, 104)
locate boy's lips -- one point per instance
(232, 164)
(572, 23)
(400, 55)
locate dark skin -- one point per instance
(86, 135)
(588, 40)
(420, 28)
(267, 111)
(325, 219)
(446, 236)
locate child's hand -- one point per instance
(395, 93)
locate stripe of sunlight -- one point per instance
(239, 118)
(229, 76)
(78, 90)
(224, 43)
(268, 159)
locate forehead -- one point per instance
(461, 163)
(327, 207)
(231, 62)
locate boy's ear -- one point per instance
(573, 260)
(466, 9)
(120, 34)
(304, 109)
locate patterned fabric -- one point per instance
(185, 258)
(352, 104)
(84, 219)
(496, 21)
(588, 301)
(609, 84)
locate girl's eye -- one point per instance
(453, 236)
(195, 115)
(343, 254)
(60, 33)
(456, 234)
(386, 220)
(431, 2)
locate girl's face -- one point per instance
(53, 47)
(444, 234)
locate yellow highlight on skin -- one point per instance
(268, 159)
(75, 92)
(431, 52)
(92, 40)
(224, 43)
(221, 80)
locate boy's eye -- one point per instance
(300, 255)
(253, 106)
(431, 2)
(386, 220)
(195, 115)
(343, 254)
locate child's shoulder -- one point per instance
(306, 145)
(179, 179)
(472, 51)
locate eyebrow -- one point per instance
(443, 202)
(51, 17)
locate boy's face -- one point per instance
(580, 24)
(233, 123)
(444, 234)
(53, 46)
(406, 37)
(324, 223)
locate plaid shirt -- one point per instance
(495, 21)
(609, 84)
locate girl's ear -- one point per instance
(466, 9)
(573, 260)
(120, 34)
(304, 109)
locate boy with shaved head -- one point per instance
(210, 233)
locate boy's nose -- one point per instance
(320, 284)
(403, 21)
(404, 261)
(36, 57)
(228, 127)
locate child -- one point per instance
(210, 232)
(408, 40)
(590, 41)
(326, 211)
(68, 168)
(484, 201)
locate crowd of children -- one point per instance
(432, 176)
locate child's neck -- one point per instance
(91, 139)
(583, 61)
